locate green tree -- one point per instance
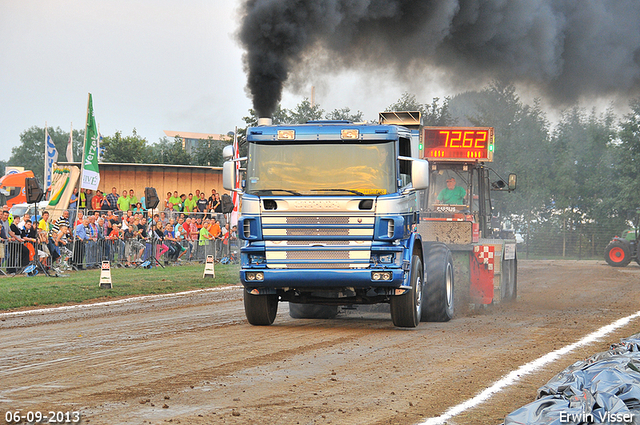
(304, 112)
(433, 114)
(345, 114)
(522, 146)
(30, 153)
(127, 149)
(626, 152)
(168, 151)
(463, 107)
(407, 102)
(208, 152)
(581, 172)
(436, 114)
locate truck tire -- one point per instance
(439, 305)
(616, 254)
(312, 311)
(260, 309)
(406, 309)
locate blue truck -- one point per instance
(329, 217)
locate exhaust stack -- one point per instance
(265, 121)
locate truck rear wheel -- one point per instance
(617, 254)
(440, 285)
(406, 309)
(260, 309)
(312, 311)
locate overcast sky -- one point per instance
(152, 65)
(157, 65)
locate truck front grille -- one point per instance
(318, 241)
(314, 243)
(324, 221)
(317, 232)
(317, 255)
(319, 266)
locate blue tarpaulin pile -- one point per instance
(603, 389)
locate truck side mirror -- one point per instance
(229, 174)
(420, 174)
(512, 181)
(227, 153)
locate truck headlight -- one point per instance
(255, 276)
(381, 275)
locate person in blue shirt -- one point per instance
(73, 203)
(81, 238)
(452, 194)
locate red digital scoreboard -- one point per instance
(457, 144)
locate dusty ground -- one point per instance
(194, 359)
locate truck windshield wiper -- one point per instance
(355, 192)
(270, 191)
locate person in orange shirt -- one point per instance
(214, 228)
(96, 201)
(216, 232)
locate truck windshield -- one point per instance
(321, 169)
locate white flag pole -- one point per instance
(44, 176)
(81, 167)
(70, 145)
(98, 149)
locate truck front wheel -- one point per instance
(260, 309)
(406, 309)
(440, 286)
(617, 254)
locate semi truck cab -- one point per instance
(329, 217)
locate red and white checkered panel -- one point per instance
(485, 255)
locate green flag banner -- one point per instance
(90, 173)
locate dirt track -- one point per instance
(194, 359)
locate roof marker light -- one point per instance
(286, 134)
(349, 133)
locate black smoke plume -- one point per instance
(568, 49)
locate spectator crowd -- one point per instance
(120, 228)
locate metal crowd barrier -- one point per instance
(16, 256)
(133, 252)
(82, 254)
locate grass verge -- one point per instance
(23, 291)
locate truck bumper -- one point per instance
(322, 278)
